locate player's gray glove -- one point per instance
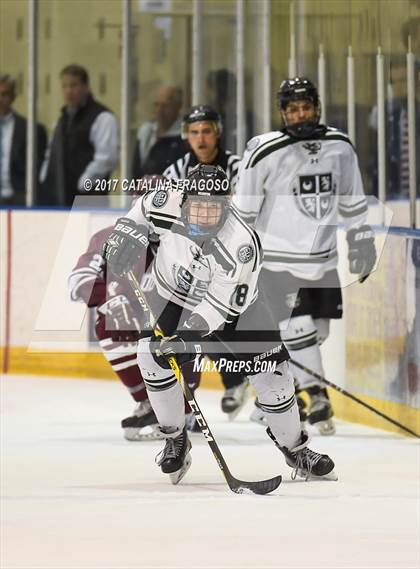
(362, 251)
(121, 320)
(184, 345)
(125, 245)
(171, 346)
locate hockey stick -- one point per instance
(238, 486)
(353, 397)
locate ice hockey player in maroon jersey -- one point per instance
(118, 324)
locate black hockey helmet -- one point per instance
(201, 113)
(299, 89)
(206, 201)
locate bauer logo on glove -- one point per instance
(125, 246)
(362, 251)
(133, 232)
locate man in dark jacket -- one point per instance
(13, 146)
(84, 146)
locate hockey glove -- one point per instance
(171, 346)
(121, 321)
(125, 245)
(184, 345)
(362, 251)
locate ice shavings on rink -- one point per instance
(76, 495)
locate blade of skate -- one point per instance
(177, 476)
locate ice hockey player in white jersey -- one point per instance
(296, 185)
(202, 128)
(206, 271)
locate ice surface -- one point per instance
(77, 495)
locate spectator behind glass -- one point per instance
(221, 95)
(397, 165)
(13, 146)
(83, 146)
(159, 141)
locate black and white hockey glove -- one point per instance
(125, 245)
(184, 345)
(121, 320)
(171, 346)
(362, 251)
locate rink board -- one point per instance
(93, 365)
(43, 332)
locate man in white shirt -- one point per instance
(159, 141)
(84, 144)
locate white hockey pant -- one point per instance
(276, 396)
(164, 392)
(303, 336)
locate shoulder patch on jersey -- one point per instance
(160, 198)
(267, 148)
(245, 253)
(253, 143)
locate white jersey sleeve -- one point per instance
(250, 185)
(158, 210)
(352, 202)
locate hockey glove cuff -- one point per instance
(362, 251)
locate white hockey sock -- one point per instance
(300, 335)
(276, 397)
(168, 406)
(285, 426)
(310, 357)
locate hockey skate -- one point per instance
(142, 425)
(175, 459)
(234, 399)
(305, 462)
(320, 411)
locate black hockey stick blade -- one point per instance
(261, 487)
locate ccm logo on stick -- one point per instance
(200, 419)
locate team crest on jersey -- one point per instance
(315, 195)
(245, 253)
(312, 147)
(253, 143)
(160, 198)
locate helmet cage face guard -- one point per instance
(204, 214)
